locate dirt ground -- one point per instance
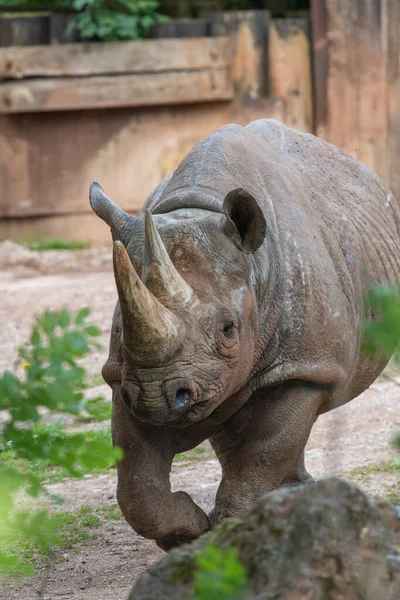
(343, 442)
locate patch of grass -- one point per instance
(74, 528)
(77, 527)
(90, 521)
(199, 450)
(43, 244)
(384, 466)
(111, 512)
(100, 410)
(42, 467)
(392, 494)
(193, 454)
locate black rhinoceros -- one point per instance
(240, 315)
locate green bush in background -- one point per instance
(52, 380)
(383, 330)
(103, 20)
(112, 20)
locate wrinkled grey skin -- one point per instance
(287, 258)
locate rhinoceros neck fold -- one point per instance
(188, 198)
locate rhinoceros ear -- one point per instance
(246, 222)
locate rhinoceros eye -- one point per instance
(229, 330)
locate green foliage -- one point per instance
(104, 20)
(110, 512)
(384, 466)
(43, 466)
(69, 528)
(219, 575)
(98, 409)
(52, 380)
(42, 244)
(383, 329)
(112, 20)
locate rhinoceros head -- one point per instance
(188, 323)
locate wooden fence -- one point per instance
(127, 113)
(356, 49)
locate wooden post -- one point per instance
(19, 30)
(392, 18)
(59, 30)
(290, 70)
(350, 78)
(249, 31)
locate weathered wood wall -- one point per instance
(290, 70)
(356, 46)
(77, 76)
(127, 114)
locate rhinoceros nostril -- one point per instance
(183, 398)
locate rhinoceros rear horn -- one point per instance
(149, 329)
(159, 273)
(245, 220)
(118, 220)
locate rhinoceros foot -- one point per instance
(191, 521)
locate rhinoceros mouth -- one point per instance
(167, 417)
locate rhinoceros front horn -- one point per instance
(159, 273)
(149, 329)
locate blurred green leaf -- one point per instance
(219, 574)
(51, 379)
(382, 327)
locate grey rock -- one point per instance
(323, 541)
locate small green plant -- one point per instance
(42, 244)
(53, 380)
(383, 330)
(112, 20)
(219, 575)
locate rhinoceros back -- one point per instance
(343, 204)
(349, 198)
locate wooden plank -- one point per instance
(320, 63)
(22, 30)
(48, 159)
(290, 71)
(355, 89)
(249, 33)
(121, 90)
(83, 227)
(392, 18)
(150, 56)
(180, 28)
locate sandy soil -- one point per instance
(351, 437)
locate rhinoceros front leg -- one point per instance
(268, 452)
(144, 491)
(298, 474)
